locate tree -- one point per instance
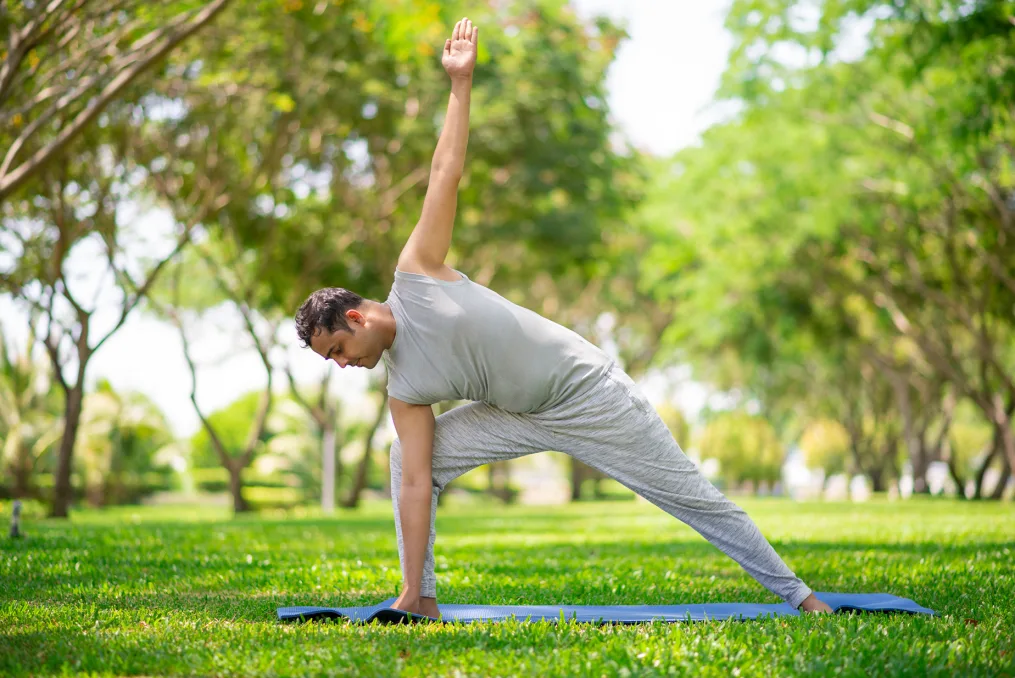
(323, 412)
(745, 446)
(76, 218)
(29, 416)
(359, 483)
(825, 446)
(216, 274)
(66, 60)
(843, 241)
(120, 451)
(675, 421)
(969, 451)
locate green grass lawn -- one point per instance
(154, 591)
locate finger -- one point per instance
(467, 31)
(447, 46)
(455, 33)
(475, 35)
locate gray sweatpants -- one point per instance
(612, 427)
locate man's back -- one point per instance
(461, 341)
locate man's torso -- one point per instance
(458, 340)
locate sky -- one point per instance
(660, 88)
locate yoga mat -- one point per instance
(609, 614)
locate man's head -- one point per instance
(342, 326)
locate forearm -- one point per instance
(414, 509)
(449, 157)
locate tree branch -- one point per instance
(9, 182)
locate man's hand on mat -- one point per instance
(813, 605)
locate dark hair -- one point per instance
(325, 309)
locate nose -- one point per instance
(342, 362)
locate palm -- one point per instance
(459, 56)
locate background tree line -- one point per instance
(835, 259)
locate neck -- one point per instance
(381, 315)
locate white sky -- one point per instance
(660, 88)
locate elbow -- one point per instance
(413, 484)
(446, 172)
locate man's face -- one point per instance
(360, 347)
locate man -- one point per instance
(535, 385)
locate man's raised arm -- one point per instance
(428, 245)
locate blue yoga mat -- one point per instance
(610, 614)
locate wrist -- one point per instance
(461, 80)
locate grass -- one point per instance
(180, 591)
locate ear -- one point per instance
(355, 317)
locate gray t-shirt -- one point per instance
(462, 341)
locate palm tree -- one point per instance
(30, 423)
(123, 440)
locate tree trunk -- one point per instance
(577, 476)
(877, 476)
(62, 491)
(499, 480)
(920, 462)
(240, 504)
(1004, 425)
(982, 472)
(22, 472)
(328, 475)
(914, 448)
(21, 487)
(1002, 480)
(360, 481)
(960, 483)
(953, 470)
(1002, 438)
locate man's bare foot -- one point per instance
(812, 605)
(428, 606)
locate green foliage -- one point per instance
(325, 120)
(825, 446)
(849, 229)
(232, 427)
(180, 590)
(969, 438)
(30, 423)
(675, 421)
(125, 447)
(745, 446)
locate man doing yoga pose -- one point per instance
(535, 385)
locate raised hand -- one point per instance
(459, 56)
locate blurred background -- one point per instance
(791, 222)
